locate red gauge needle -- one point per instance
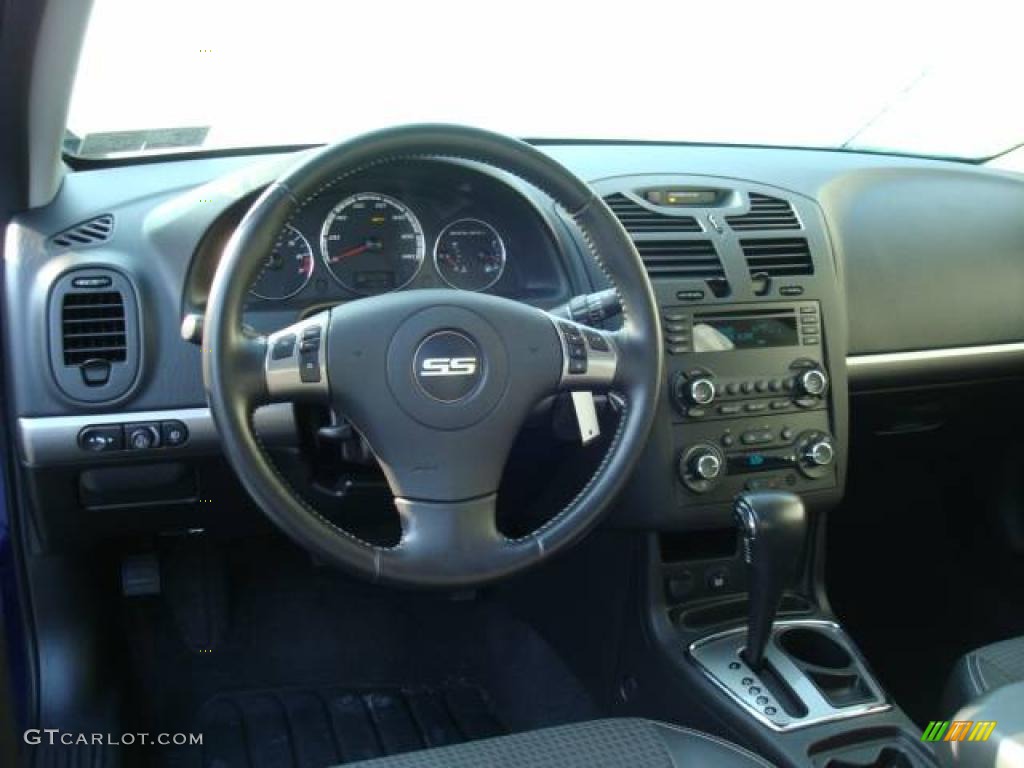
(352, 252)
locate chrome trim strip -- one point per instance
(53, 440)
(950, 363)
(718, 649)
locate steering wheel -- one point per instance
(437, 381)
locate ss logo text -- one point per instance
(448, 366)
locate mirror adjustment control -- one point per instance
(141, 437)
(109, 437)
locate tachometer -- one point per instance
(287, 269)
(372, 243)
(470, 255)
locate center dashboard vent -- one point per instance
(91, 232)
(778, 257)
(681, 259)
(765, 213)
(638, 219)
(94, 334)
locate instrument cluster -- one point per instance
(463, 231)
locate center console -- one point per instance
(754, 405)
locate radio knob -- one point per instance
(701, 391)
(813, 382)
(820, 452)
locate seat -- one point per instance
(615, 743)
(984, 670)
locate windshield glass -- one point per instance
(897, 76)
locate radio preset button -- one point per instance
(780, 405)
(756, 407)
(732, 388)
(810, 340)
(747, 387)
(729, 410)
(761, 385)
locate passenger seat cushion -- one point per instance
(984, 670)
(618, 743)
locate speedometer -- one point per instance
(372, 243)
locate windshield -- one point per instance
(898, 76)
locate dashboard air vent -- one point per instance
(778, 257)
(638, 219)
(765, 213)
(681, 259)
(94, 340)
(87, 233)
(92, 327)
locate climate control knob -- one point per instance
(816, 453)
(706, 466)
(701, 467)
(820, 453)
(813, 382)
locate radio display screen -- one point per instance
(719, 334)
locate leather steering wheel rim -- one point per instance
(449, 537)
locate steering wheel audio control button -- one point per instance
(283, 347)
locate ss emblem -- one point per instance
(448, 366)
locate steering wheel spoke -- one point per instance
(295, 362)
(590, 357)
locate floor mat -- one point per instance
(317, 728)
(300, 638)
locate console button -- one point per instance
(174, 433)
(808, 340)
(140, 437)
(99, 439)
(806, 310)
(780, 405)
(732, 388)
(729, 410)
(775, 385)
(747, 387)
(717, 579)
(757, 437)
(761, 385)
(701, 391)
(813, 382)
(756, 407)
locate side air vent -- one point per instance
(94, 334)
(681, 259)
(778, 257)
(87, 233)
(92, 327)
(765, 213)
(637, 219)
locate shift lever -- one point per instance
(772, 526)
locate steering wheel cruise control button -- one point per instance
(283, 347)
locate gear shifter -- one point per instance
(772, 526)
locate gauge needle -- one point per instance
(352, 252)
(369, 245)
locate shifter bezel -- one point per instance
(719, 657)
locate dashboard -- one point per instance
(787, 281)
